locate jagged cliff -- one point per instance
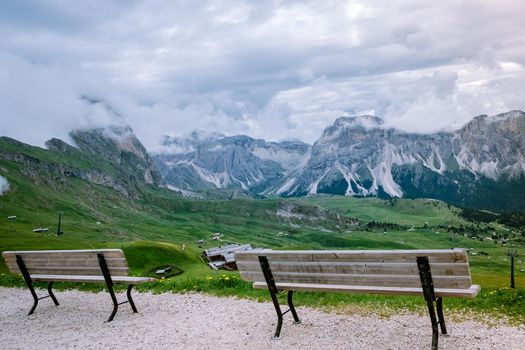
(481, 165)
(112, 157)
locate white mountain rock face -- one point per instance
(119, 144)
(356, 156)
(237, 162)
(361, 156)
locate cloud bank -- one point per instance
(4, 185)
(275, 69)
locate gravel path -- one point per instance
(197, 321)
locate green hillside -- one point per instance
(415, 212)
(153, 228)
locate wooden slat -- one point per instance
(441, 256)
(89, 271)
(91, 279)
(87, 262)
(54, 254)
(13, 267)
(118, 252)
(359, 280)
(438, 269)
(69, 262)
(363, 271)
(470, 292)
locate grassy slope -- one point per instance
(152, 230)
(415, 212)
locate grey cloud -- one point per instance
(4, 185)
(277, 69)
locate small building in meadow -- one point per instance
(223, 257)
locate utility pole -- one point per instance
(59, 232)
(512, 253)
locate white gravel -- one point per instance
(197, 321)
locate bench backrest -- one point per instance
(388, 268)
(68, 262)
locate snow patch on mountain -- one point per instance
(4, 185)
(220, 180)
(382, 173)
(313, 187)
(351, 177)
(286, 187)
(434, 162)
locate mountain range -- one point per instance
(481, 165)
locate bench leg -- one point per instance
(428, 293)
(109, 283)
(128, 293)
(292, 308)
(35, 297)
(439, 307)
(277, 333)
(29, 283)
(433, 320)
(115, 302)
(50, 292)
(272, 288)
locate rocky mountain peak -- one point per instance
(355, 128)
(362, 121)
(59, 145)
(120, 145)
(211, 160)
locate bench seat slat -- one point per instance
(68, 269)
(470, 292)
(114, 271)
(442, 255)
(438, 269)
(360, 279)
(87, 262)
(92, 279)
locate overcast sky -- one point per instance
(270, 69)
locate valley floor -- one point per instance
(198, 321)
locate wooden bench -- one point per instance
(433, 274)
(107, 266)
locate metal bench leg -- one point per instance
(29, 282)
(115, 303)
(109, 283)
(439, 306)
(128, 293)
(272, 288)
(433, 320)
(428, 293)
(277, 333)
(49, 286)
(273, 294)
(35, 303)
(292, 308)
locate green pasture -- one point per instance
(152, 230)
